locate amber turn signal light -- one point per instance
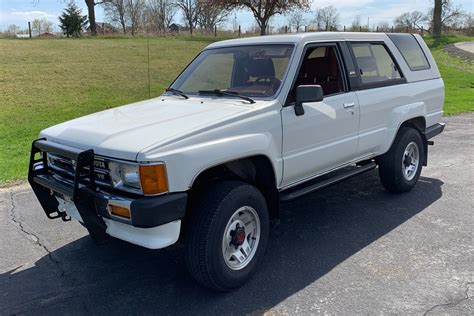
(119, 211)
(153, 179)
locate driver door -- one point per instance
(326, 135)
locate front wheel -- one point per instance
(228, 235)
(400, 167)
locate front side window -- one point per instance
(375, 63)
(253, 71)
(320, 66)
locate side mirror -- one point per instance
(307, 93)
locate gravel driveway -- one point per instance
(351, 248)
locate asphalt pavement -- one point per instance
(351, 248)
(467, 46)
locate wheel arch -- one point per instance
(256, 170)
(418, 123)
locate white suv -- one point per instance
(249, 123)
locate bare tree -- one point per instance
(409, 20)
(383, 26)
(41, 25)
(134, 10)
(318, 20)
(162, 13)
(296, 18)
(451, 16)
(469, 24)
(356, 24)
(12, 30)
(91, 15)
(263, 10)
(445, 14)
(438, 8)
(190, 10)
(211, 15)
(116, 11)
(329, 18)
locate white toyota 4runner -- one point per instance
(249, 123)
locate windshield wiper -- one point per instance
(228, 93)
(178, 92)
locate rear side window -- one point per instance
(411, 51)
(375, 63)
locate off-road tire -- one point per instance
(390, 164)
(204, 258)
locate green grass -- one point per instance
(44, 82)
(457, 73)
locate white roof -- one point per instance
(297, 38)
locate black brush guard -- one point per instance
(81, 192)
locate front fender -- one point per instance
(185, 164)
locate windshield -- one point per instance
(253, 71)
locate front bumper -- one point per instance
(149, 216)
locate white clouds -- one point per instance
(376, 10)
(341, 4)
(21, 18)
(32, 14)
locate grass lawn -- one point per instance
(44, 82)
(458, 75)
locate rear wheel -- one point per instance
(400, 167)
(227, 235)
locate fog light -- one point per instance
(119, 211)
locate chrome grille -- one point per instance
(66, 167)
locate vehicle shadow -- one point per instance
(314, 234)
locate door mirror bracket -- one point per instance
(307, 93)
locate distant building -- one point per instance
(176, 28)
(47, 34)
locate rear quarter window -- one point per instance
(411, 51)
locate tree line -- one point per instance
(133, 16)
(158, 15)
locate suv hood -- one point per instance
(123, 131)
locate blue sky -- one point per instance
(21, 11)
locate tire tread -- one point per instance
(202, 219)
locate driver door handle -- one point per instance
(349, 105)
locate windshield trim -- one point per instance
(263, 98)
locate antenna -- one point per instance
(148, 48)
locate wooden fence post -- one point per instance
(29, 28)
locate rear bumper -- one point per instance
(149, 216)
(434, 130)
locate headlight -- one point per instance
(124, 174)
(148, 178)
